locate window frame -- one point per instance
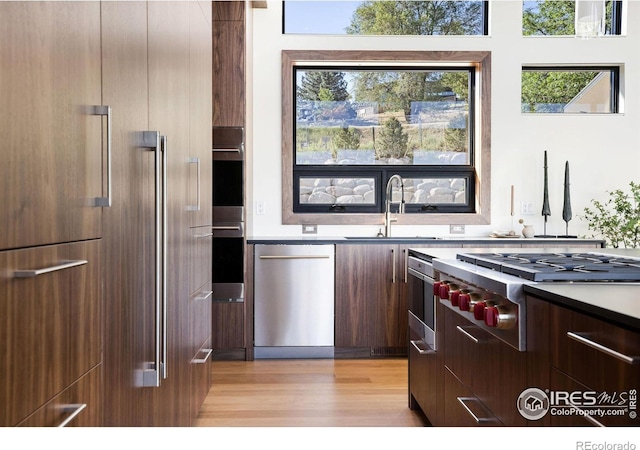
(614, 83)
(485, 26)
(480, 165)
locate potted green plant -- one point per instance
(617, 220)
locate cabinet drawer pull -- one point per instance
(427, 351)
(467, 334)
(35, 273)
(463, 401)
(73, 410)
(202, 236)
(206, 357)
(583, 339)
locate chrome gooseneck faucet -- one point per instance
(387, 209)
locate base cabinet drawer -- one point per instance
(80, 405)
(461, 408)
(200, 378)
(51, 330)
(594, 352)
(494, 371)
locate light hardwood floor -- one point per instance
(309, 393)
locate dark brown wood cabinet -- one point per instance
(166, 45)
(371, 304)
(51, 140)
(229, 64)
(493, 373)
(591, 354)
(53, 185)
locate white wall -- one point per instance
(603, 150)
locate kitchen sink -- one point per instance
(390, 238)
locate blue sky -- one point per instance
(318, 17)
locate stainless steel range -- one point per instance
(488, 288)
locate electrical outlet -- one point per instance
(309, 229)
(526, 208)
(456, 229)
(259, 208)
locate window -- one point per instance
(349, 127)
(386, 17)
(570, 89)
(558, 18)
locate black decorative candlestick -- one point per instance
(546, 210)
(566, 208)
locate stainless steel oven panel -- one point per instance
(426, 337)
(228, 213)
(227, 292)
(227, 229)
(429, 302)
(420, 266)
(228, 143)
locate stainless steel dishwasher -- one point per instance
(294, 301)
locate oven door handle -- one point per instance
(427, 351)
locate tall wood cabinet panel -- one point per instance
(228, 64)
(151, 77)
(200, 195)
(52, 147)
(128, 224)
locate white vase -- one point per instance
(527, 231)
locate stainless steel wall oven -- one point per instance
(228, 214)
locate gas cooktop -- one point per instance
(558, 266)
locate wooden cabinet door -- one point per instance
(52, 148)
(129, 275)
(365, 295)
(199, 195)
(228, 325)
(228, 68)
(169, 108)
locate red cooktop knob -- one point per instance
(436, 288)
(478, 310)
(464, 302)
(444, 291)
(491, 316)
(454, 296)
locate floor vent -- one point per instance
(388, 351)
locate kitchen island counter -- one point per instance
(618, 303)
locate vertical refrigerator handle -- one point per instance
(157, 369)
(104, 110)
(165, 151)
